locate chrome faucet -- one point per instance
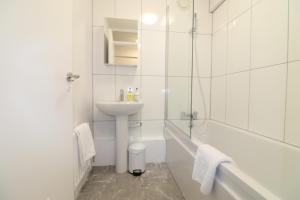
(122, 95)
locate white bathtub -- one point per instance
(265, 169)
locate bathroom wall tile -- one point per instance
(218, 98)
(101, 9)
(179, 96)
(104, 90)
(153, 129)
(267, 101)
(153, 15)
(180, 16)
(105, 129)
(124, 82)
(201, 97)
(128, 70)
(153, 97)
(236, 7)
(202, 56)
(129, 9)
(134, 131)
(105, 151)
(204, 17)
(153, 53)
(292, 131)
(239, 44)
(269, 32)
(98, 53)
(104, 87)
(237, 99)
(220, 17)
(180, 59)
(219, 52)
(294, 30)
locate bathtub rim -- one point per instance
(230, 173)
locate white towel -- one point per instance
(85, 142)
(205, 166)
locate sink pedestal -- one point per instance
(121, 111)
(121, 143)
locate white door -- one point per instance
(35, 100)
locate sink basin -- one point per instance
(120, 108)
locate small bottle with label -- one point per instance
(130, 94)
(137, 94)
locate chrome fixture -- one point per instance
(72, 77)
(188, 116)
(122, 95)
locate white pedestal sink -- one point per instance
(121, 110)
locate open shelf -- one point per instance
(121, 46)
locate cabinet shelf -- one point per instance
(121, 36)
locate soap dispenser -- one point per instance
(137, 94)
(130, 94)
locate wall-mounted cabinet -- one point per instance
(121, 41)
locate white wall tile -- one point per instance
(180, 19)
(239, 44)
(98, 53)
(155, 150)
(179, 96)
(105, 129)
(220, 17)
(202, 56)
(267, 101)
(201, 97)
(153, 14)
(129, 9)
(218, 98)
(219, 52)
(128, 70)
(180, 50)
(134, 131)
(104, 90)
(153, 129)
(153, 97)
(153, 53)
(269, 32)
(236, 7)
(204, 17)
(237, 99)
(105, 151)
(292, 134)
(294, 30)
(101, 9)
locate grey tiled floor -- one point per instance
(155, 184)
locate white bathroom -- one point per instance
(150, 100)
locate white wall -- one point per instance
(82, 88)
(148, 76)
(256, 53)
(82, 62)
(35, 102)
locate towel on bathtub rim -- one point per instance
(205, 166)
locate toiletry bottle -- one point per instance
(137, 94)
(130, 94)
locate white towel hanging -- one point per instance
(85, 142)
(205, 166)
